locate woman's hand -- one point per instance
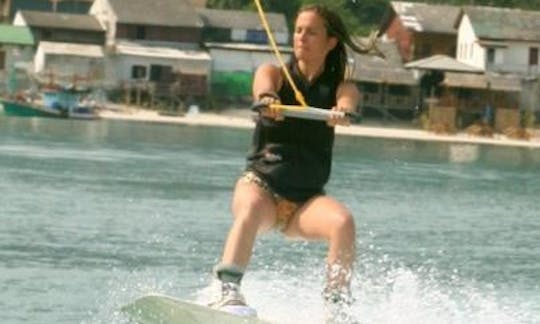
(343, 120)
(347, 98)
(266, 81)
(269, 111)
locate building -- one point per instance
(162, 48)
(238, 44)
(240, 26)
(68, 47)
(499, 39)
(504, 43)
(420, 30)
(388, 89)
(61, 27)
(70, 62)
(155, 44)
(161, 22)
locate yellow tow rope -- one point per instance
(297, 94)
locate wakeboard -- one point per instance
(154, 309)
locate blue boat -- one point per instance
(71, 101)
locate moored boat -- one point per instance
(71, 99)
(61, 103)
(22, 108)
(84, 111)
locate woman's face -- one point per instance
(311, 42)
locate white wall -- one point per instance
(229, 61)
(515, 58)
(39, 60)
(67, 65)
(469, 50)
(118, 68)
(224, 60)
(74, 65)
(18, 55)
(103, 12)
(18, 20)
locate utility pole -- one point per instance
(5, 10)
(55, 4)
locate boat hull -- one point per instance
(24, 109)
(82, 112)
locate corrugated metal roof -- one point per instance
(16, 35)
(389, 49)
(71, 6)
(128, 48)
(423, 17)
(442, 63)
(247, 47)
(385, 75)
(504, 23)
(370, 68)
(480, 81)
(176, 13)
(72, 49)
(242, 19)
(61, 20)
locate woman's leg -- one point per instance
(254, 211)
(324, 218)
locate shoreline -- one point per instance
(240, 118)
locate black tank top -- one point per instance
(294, 156)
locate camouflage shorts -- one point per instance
(286, 209)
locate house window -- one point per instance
(46, 35)
(256, 36)
(490, 55)
(399, 90)
(161, 73)
(370, 87)
(217, 34)
(140, 32)
(138, 72)
(533, 56)
(426, 50)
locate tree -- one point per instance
(360, 16)
(228, 4)
(288, 8)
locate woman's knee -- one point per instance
(253, 210)
(343, 224)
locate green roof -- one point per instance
(16, 35)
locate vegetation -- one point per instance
(361, 16)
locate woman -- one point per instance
(283, 184)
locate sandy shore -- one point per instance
(240, 118)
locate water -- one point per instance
(95, 214)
